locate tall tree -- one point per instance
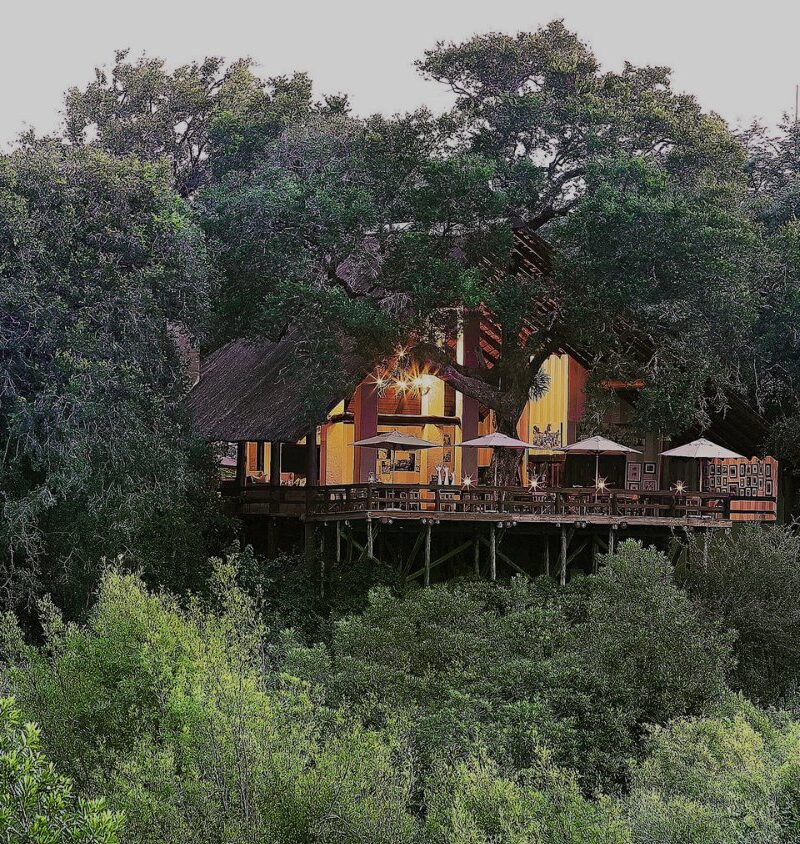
(639, 192)
(97, 259)
(141, 108)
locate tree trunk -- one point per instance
(507, 461)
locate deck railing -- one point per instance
(420, 499)
(573, 501)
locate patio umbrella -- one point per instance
(392, 441)
(598, 446)
(495, 440)
(701, 449)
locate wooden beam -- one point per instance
(506, 559)
(417, 542)
(443, 559)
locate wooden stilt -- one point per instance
(453, 552)
(612, 536)
(370, 540)
(547, 555)
(427, 555)
(310, 545)
(338, 542)
(594, 553)
(564, 543)
(492, 553)
(476, 556)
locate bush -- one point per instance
(37, 805)
(719, 780)
(749, 580)
(169, 710)
(521, 666)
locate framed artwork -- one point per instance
(732, 470)
(741, 470)
(649, 485)
(733, 489)
(634, 487)
(447, 457)
(446, 440)
(769, 488)
(769, 470)
(649, 468)
(634, 472)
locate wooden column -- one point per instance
(476, 556)
(274, 464)
(370, 539)
(365, 424)
(470, 406)
(312, 459)
(427, 555)
(564, 543)
(338, 542)
(547, 555)
(241, 464)
(492, 553)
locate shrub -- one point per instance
(37, 805)
(727, 778)
(520, 666)
(749, 579)
(169, 709)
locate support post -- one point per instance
(547, 555)
(427, 555)
(370, 539)
(564, 543)
(241, 464)
(309, 537)
(492, 552)
(612, 538)
(274, 464)
(312, 460)
(594, 553)
(476, 556)
(338, 542)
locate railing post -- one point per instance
(369, 496)
(437, 499)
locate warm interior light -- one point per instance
(679, 486)
(466, 482)
(602, 484)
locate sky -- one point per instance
(740, 59)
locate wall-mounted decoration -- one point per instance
(547, 439)
(649, 468)
(649, 485)
(634, 487)
(634, 472)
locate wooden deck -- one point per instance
(415, 502)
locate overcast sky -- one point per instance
(741, 59)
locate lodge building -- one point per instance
(291, 477)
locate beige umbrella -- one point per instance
(392, 441)
(496, 440)
(597, 446)
(701, 449)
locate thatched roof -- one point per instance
(256, 390)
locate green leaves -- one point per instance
(37, 805)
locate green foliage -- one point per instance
(472, 803)
(749, 579)
(520, 667)
(37, 805)
(168, 711)
(729, 778)
(98, 259)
